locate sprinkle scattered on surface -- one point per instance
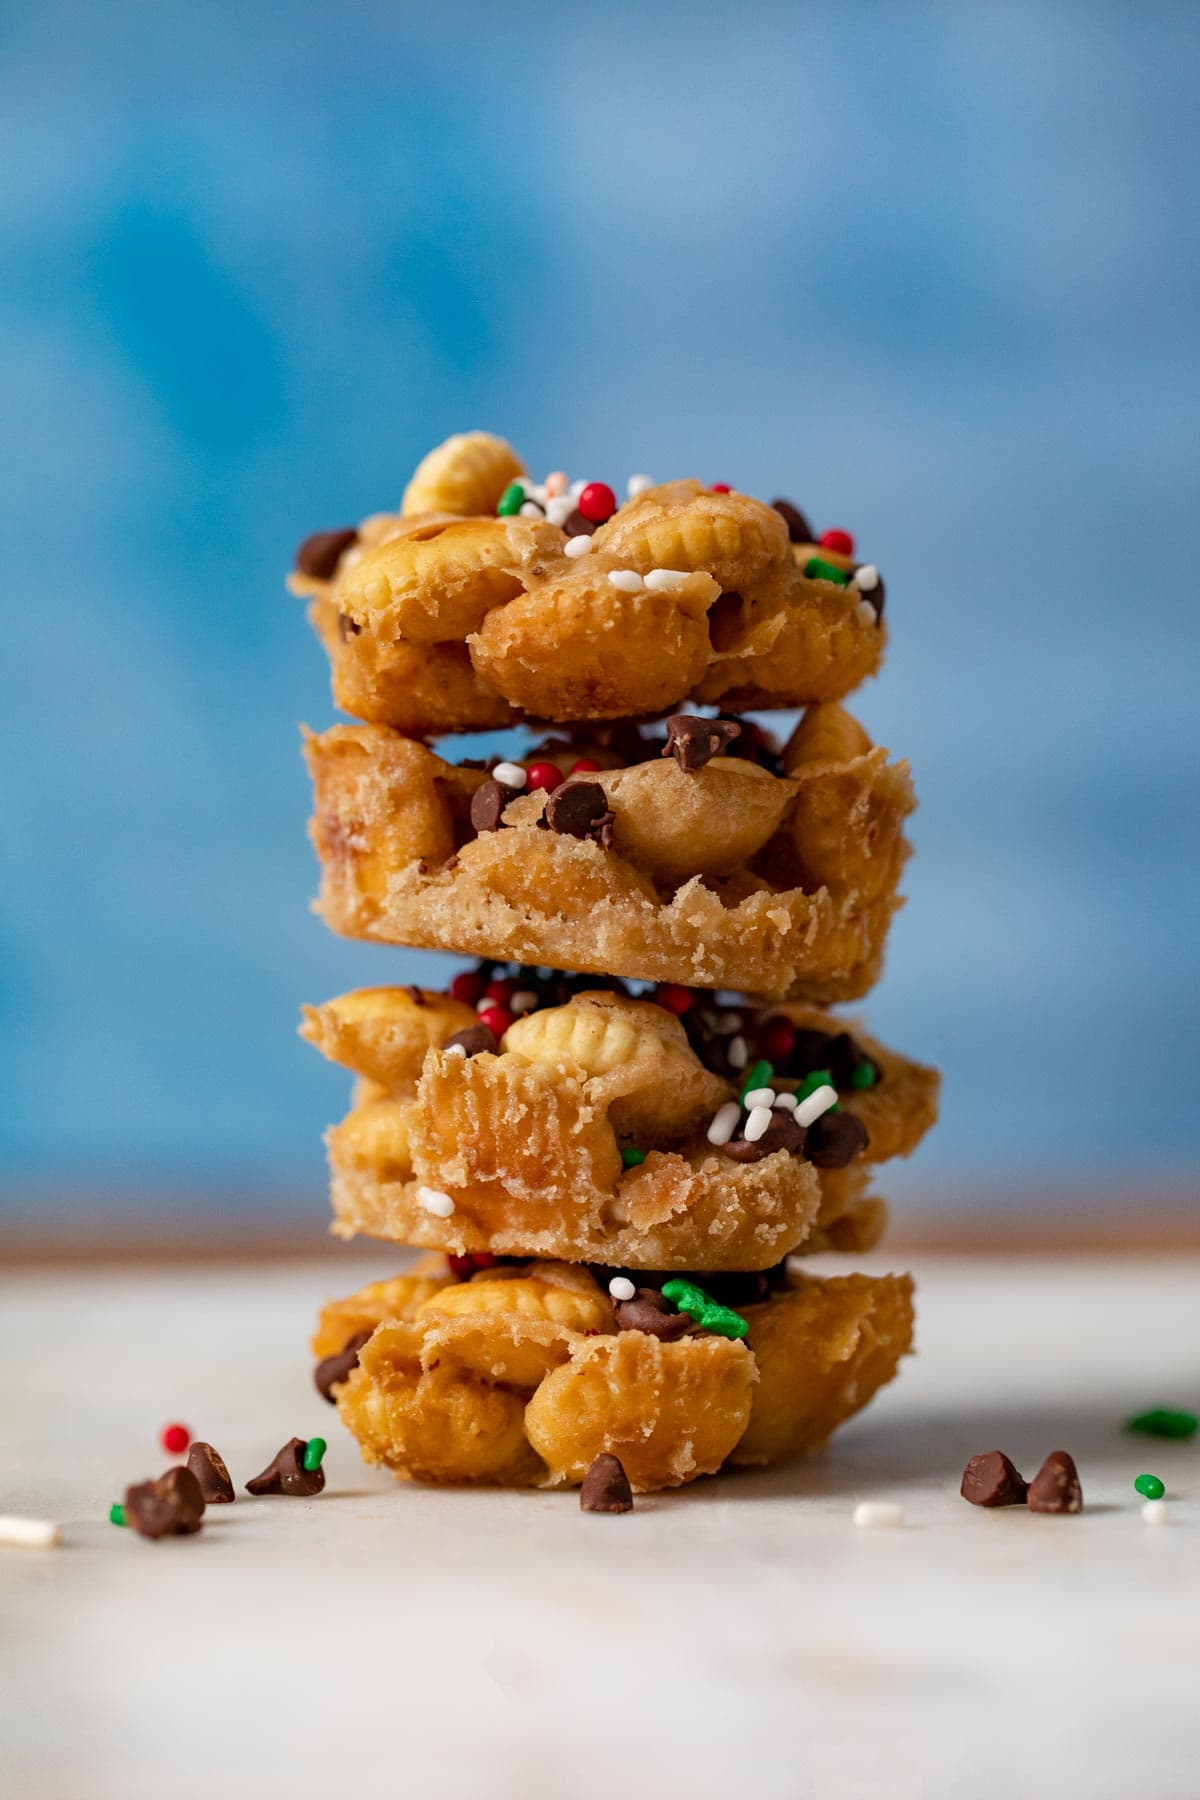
(175, 1438)
(432, 1200)
(1151, 1487)
(878, 1515)
(1164, 1422)
(1157, 1512)
(29, 1534)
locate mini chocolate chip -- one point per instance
(575, 525)
(799, 529)
(693, 741)
(649, 1312)
(320, 554)
(783, 1133)
(606, 1487)
(172, 1506)
(286, 1473)
(580, 809)
(488, 803)
(332, 1370)
(211, 1474)
(347, 627)
(1055, 1488)
(474, 1039)
(990, 1479)
(835, 1139)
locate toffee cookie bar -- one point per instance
(490, 598)
(522, 1374)
(701, 858)
(668, 1131)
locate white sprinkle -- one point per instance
(818, 1102)
(665, 581)
(485, 1005)
(621, 1288)
(456, 1050)
(529, 511)
(865, 578)
(577, 546)
(559, 510)
(576, 488)
(788, 1102)
(627, 580)
(1157, 1512)
(29, 1534)
(737, 1053)
(878, 1515)
(758, 1097)
(866, 613)
(523, 1001)
(724, 1122)
(511, 774)
(536, 490)
(757, 1123)
(432, 1200)
(637, 484)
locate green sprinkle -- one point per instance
(314, 1450)
(817, 569)
(759, 1076)
(1150, 1486)
(511, 500)
(721, 1320)
(864, 1075)
(1164, 1422)
(116, 1514)
(633, 1158)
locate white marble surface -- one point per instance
(738, 1638)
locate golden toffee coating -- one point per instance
(582, 1135)
(522, 1375)
(724, 876)
(447, 618)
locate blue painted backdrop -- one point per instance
(930, 271)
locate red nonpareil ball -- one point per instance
(587, 765)
(497, 1019)
(174, 1439)
(674, 997)
(467, 987)
(840, 542)
(720, 487)
(778, 1040)
(544, 775)
(501, 990)
(597, 502)
(471, 1262)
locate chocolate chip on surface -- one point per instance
(835, 1139)
(488, 803)
(210, 1471)
(606, 1487)
(320, 554)
(990, 1479)
(649, 1312)
(286, 1474)
(580, 809)
(1056, 1487)
(693, 741)
(172, 1506)
(799, 529)
(337, 1368)
(474, 1039)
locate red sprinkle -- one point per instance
(174, 1439)
(467, 987)
(585, 766)
(502, 989)
(778, 1040)
(597, 502)
(545, 775)
(840, 542)
(497, 1019)
(675, 998)
(471, 1262)
(720, 487)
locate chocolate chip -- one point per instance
(835, 1139)
(347, 627)
(575, 525)
(1055, 1488)
(172, 1506)
(990, 1479)
(580, 809)
(332, 1370)
(320, 554)
(286, 1473)
(799, 529)
(474, 1039)
(488, 803)
(649, 1312)
(744, 1287)
(783, 1133)
(211, 1474)
(693, 741)
(606, 1487)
